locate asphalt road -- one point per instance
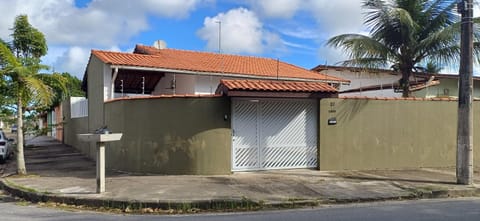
(435, 210)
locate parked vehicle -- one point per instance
(14, 128)
(5, 147)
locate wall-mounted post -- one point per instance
(100, 140)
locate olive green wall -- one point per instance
(72, 127)
(170, 135)
(389, 134)
(97, 72)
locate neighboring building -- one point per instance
(190, 112)
(384, 83)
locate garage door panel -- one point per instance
(284, 134)
(284, 123)
(246, 158)
(245, 139)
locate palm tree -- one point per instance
(27, 87)
(406, 35)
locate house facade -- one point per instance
(384, 83)
(277, 116)
(190, 112)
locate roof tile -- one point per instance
(174, 59)
(286, 86)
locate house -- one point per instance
(384, 83)
(190, 112)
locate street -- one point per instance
(438, 210)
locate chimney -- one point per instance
(160, 44)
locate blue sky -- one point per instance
(290, 30)
(294, 31)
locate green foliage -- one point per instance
(74, 85)
(404, 34)
(28, 42)
(58, 84)
(63, 86)
(20, 67)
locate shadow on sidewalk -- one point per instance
(400, 180)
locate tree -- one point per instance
(20, 64)
(406, 35)
(74, 85)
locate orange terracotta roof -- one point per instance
(286, 86)
(224, 64)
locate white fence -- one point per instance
(78, 107)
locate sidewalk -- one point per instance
(62, 174)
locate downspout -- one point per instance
(115, 73)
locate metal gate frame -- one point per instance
(311, 153)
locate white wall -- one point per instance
(184, 84)
(107, 83)
(377, 93)
(206, 84)
(187, 84)
(362, 78)
(54, 123)
(78, 107)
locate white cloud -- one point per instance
(316, 20)
(337, 17)
(299, 31)
(276, 8)
(334, 17)
(102, 23)
(74, 60)
(331, 56)
(241, 32)
(71, 32)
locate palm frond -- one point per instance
(38, 90)
(436, 41)
(7, 57)
(360, 46)
(445, 56)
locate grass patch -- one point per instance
(22, 188)
(23, 203)
(30, 175)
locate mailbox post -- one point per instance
(100, 140)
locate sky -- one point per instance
(294, 31)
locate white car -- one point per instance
(5, 147)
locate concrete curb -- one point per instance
(220, 204)
(214, 204)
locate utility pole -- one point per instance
(465, 113)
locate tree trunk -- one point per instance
(405, 83)
(21, 169)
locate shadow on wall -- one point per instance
(171, 135)
(349, 114)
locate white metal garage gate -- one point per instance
(274, 134)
